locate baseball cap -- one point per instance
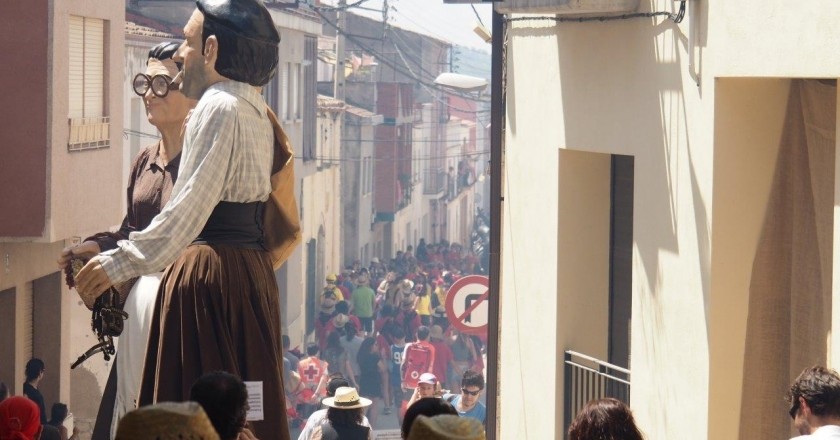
(331, 277)
(428, 378)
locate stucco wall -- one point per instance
(650, 88)
(622, 88)
(85, 188)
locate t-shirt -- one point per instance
(363, 302)
(396, 362)
(352, 348)
(36, 396)
(317, 419)
(424, 305)
(443, 356)
(479, 411)
(370, 383)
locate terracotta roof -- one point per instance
(132, 28)
(359, 112)
(148, 24)
(330, 104)
(302, 10)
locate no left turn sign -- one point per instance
(467, 305)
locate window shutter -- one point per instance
(77, 74)
(94, 71)
(26, 319)
(286, 90)
(297, 93)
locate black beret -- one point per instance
(246, 18)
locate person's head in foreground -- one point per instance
(167, 421)
(346, 407)
(225, 400)
(427, 406)
(427, 385)
(604, 419)
(814, 399)
(472, 383)
(20, 419)
(446, 427)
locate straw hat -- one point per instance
(446, 427)
(340, 320)
(167, 420)
(346, 398)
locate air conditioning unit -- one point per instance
(567, 7)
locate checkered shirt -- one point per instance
(227, 156)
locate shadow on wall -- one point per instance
(86, 394)
(623, 92)
(789, 319)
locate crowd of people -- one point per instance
(383, 327)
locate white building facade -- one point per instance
(669, 199)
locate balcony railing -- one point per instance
(587, 378)
(434, 181)
(89, 133)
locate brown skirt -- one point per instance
(218, 309)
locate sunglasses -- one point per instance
(794, 409)
(160, 85)
(470, 393)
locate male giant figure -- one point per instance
(218, 304)
(815, 403)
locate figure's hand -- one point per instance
(92, 282)
(87, 249)
(246, 434)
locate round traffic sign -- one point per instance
(467, 305)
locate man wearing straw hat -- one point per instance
(320, 417)
(345, 417)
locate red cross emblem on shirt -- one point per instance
(312, 372)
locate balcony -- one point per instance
(434, 181)
(567, 7)
(89, 133)
(587, 378)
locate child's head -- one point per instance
(399, 335)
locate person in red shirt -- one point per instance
(443, 354)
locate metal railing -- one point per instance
(434, 180)
(89, 133)
(587, 378)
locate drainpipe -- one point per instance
(497, 119)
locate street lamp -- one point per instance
(460, 82)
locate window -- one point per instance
(310, 99)
(89, 126)
(87, 61)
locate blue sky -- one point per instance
(450, 22)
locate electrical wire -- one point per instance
(415, 159)
(129, 132)
(338, 8)
(476, 15)
(677, 18)
(386, 61)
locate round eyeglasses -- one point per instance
(160, 85)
